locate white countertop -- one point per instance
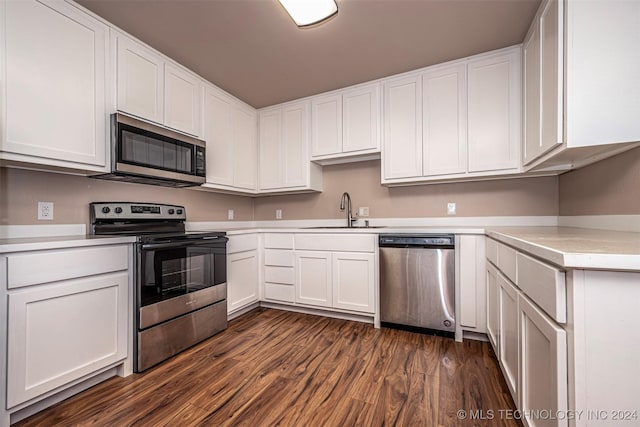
(358, 230)
(575, 248)
(60, 242)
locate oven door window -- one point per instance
(167, 273)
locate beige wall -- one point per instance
(609, 187)
(529, 196)
(20, 190)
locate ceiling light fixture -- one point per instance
(308, 12)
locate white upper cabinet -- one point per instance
(494, 108)
(326, 125)
(140, 80)
(149, 86)
(346, 125)
(402, 147)
(182, 95)
(581, 83)
(230, 130)
(284, 137)
(53, 83)
(454, 121)
(444, 121)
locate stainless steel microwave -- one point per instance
(149, 154)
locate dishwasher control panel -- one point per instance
(408, 240)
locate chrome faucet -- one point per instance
(350, 219)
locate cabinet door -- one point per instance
(444, 121)
(295, 142)
(182, 100)
(509, 334)
(313, 278)
(270, 159)
(245, 150)
(61, 332)
(218, 134)
(471, 274)
(402, 153)
(361, 119)
(53, 82)
(494, 95)
(326, 125)
(140, 80)
(242, 279)
(543, 375)
(551, 78)
(353, 281)
(493, 308)
(531, 54)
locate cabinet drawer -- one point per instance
(492, 251)
(336, 242)
(279, 258)
(278, 241)
(33, 268)
(284, 275)
(507, 261)
(279, 292)
(544, 285)
(242, 243)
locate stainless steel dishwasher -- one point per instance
(417, 282)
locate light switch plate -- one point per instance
(230, 214)
(363, 211)
(278, 213)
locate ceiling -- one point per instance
(253, 50)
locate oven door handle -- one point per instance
(183, 243)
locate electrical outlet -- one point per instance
(278, 213)
(363, 211)
(230, 214)
(45, 211)
(451, 208)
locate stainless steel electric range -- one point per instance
(180, 277)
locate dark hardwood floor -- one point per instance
(274, 367)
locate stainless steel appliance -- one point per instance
(180, 278)
(149, 154)
(417, 283)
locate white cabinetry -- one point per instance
(494, 108)
(346, 125)
(313, 278)
(457, 120)
(67, 320)
(334, 272)
(242, 272)
(53, 108)
(470, 251)
(581, 85)
(230, 132)
(151, 87)
(531, 346)
(284, 150)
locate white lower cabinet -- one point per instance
(242, 283)
(313, 278)
(353, 274)
(62, 332)
(470, 275)
(68, 319)
(335, 272)
(508, 338)
(493, 307)
(543, 365)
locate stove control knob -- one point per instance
(179, 211)
(106, 210)
(171, 211)
(118, 210)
